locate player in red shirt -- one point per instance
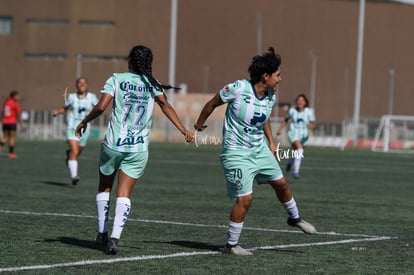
(10, 117)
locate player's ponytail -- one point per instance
(140, 62)
(261, 64)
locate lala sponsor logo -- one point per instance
(130, 139)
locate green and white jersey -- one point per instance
(133, 105)
(300, 120)
(79, 108)
(245, 116)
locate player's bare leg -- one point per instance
(240, 208)
(284, 195)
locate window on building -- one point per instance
(6, 23)
(97, 23)
(42, 21)
(101, 58)
(45, 56)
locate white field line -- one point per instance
(186, 224)
(182, 254)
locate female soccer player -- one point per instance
(245, 156)
(77, 106)
(302, 118)
(10, 118)
(125, 148)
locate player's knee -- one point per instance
(104, 187)
(245, 201)
(280, 184)
(74, 153)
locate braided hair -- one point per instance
(261, 64)
(140, 62)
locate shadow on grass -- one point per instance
(56, 183)
(75, 242)
(191, 244)
(282, 250)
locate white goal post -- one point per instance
(394, 134)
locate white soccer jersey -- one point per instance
(245, 116)
(300, 120)
(79, 108)
(133, 105)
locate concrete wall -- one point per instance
(216, 40)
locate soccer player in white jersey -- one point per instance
(77, 106)
(246, 156)
(125, 148)
(301, 118)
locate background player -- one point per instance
(10, 118)
(245, 154)
(301, 118)
(125, 148)
(77, 106)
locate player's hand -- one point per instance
(199, 127)
(80, 130)
(189, 137)
(55, 113)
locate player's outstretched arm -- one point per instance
(169, 111)
(206, 112)
(96, 111)
(59, 111)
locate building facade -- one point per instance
(45, 44)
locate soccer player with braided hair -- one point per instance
(246, 157)
(125, 148)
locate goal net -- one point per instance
(394, 134)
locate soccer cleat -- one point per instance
(236, 250)
(67, 157)
(112, 247)
(75, 180)
(295, 175)
(101, 239)
(12, 156)
(302, 225)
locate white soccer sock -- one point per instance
(291, 209)
(73, 168)
(102, 211)
(233, 233)
(122, 209)
(298, 160)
